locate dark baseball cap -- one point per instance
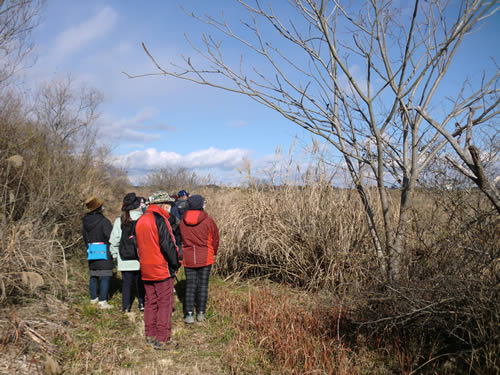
(183, 193)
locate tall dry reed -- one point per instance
(313, 237)
(445, 309)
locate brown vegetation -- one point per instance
(443, 312)
(337, 314)
(43, 185)
(442, 316)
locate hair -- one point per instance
(125, 217)
(97, 210)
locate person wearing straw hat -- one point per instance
(96, 231)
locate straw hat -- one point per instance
(93, 203)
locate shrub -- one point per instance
(445, 309)
(43, 186)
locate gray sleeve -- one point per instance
(114, 238)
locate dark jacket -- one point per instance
(174, 211)
(181, 206)
(200, 239)
(96, 228)
(174, 223)
(158, 252)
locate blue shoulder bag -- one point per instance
(97, 251)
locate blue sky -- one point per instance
(156, 121)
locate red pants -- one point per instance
(158, 309)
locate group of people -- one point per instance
(151, 240)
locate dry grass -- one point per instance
(251, 328)
(441, 318)
(42, 189)
(444, 312)
(312, 237)
(82, 339)
(279, 331)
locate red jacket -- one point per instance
(200, 239)
(158, 252)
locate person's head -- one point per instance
(94, 204)
(162, 199)
(183, 194)
(196, 202)
(130, 202)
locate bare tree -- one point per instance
(472, 165)
(69, 112)
(18, 18)
(367, 78)
(173, 179)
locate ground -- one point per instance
(74, 337)
(252, 327)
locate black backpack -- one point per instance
(128, 243)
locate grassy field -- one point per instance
(254, 327)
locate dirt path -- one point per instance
(118, 340)
(75, 337)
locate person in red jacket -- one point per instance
(159, 257)
(200, 240)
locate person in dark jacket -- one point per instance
(181, 204)
(200, 239)
(97, 229)
(159, 256)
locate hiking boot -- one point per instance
(94, 301)
(125, 309)
(150, 340)
(104, 305)
(165, 345)
(189, 318)
(141, 307)
(200, 317)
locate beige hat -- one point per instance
(93, 203)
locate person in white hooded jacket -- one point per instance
(132, 209)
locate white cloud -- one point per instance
(74, 38)
(151, 158)
(140, 127)
(138, 119)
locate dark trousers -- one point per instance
(158, 309)
(132, 279)
(196, 288)
(103, 287)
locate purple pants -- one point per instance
(158, 309)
